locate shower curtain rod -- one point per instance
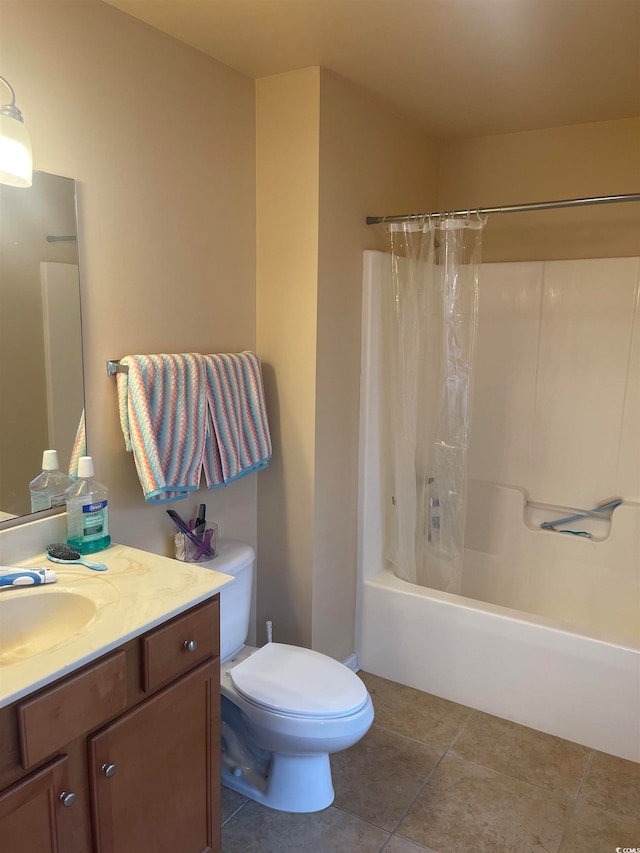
(510, 208)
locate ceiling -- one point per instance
(460, 67)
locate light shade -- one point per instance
(16, 164)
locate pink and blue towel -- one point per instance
(163, 418)
(238, 440)
(182, 413)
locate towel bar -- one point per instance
(114, 366)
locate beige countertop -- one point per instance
(139, 591)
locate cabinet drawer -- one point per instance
(186, 641)
(74, 706)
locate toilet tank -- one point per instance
(237, 559)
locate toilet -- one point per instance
(285, 709)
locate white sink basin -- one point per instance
(33, 622)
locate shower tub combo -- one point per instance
(546, 631)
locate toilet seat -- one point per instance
(298, 682)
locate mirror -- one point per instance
(41, 378)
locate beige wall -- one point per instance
(317, 133)
(578, 161)
(287, 164)
(161, 140)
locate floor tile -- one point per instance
(231, 802)
(592, 829)
(465, 807)
(523, 753)
(506, 789)
(414, 713)
(401, 845)
(378, 778)
(257, 829)
(613, 784)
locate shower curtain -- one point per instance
(435, 263)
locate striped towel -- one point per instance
(238, 440)
(163, 415)
(79, 448)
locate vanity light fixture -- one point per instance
(16, 166)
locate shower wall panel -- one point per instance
(556, 406)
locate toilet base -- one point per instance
(294, 783)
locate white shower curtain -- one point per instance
(435, 284)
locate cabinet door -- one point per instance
(30, 811)
(155, 772)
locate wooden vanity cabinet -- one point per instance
(31, 810)
(144, 777)
(152, 771)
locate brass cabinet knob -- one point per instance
(190, 645)
(67, 798)
(108, 770)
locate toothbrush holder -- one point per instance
(188, 552)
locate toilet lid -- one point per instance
(298, 682)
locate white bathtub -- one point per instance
(503, 662)
(564, 660)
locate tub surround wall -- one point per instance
(556, 401)
(555, 421)
(587, 585)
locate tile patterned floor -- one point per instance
(434, 776)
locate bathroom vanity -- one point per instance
(110, 739)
